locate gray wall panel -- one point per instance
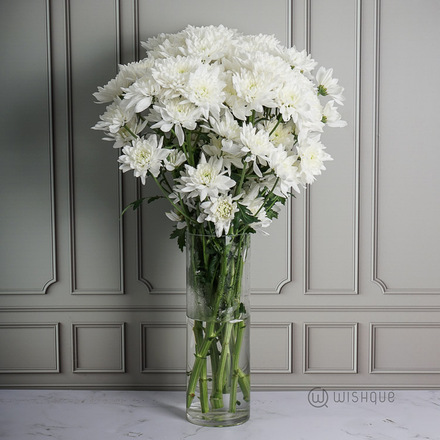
(95, 189)
(320, 317)
(27, 252)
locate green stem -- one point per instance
(245, 385)
(200, 358)
(203, 385)
(235, 360)
(267, 196)
(243, 174)
(215, 356)
(217, 393)
(276, 125)
(133, 134)
(176, 207)
(203, 380)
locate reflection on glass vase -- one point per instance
(218, 330)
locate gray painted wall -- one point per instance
(346, 291)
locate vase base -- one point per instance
(217, 419)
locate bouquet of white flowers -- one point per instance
(226, 125)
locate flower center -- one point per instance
(224, 210)
(143, 157)
(205, 175)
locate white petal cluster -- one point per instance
(146, 155)
(229, 123)
(207, 179)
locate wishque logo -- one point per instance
(318, 397)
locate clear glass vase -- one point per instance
(218, 330)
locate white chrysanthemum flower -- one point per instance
(205, 89)
(226, 126)
(299, 60)
(115, 117)
(256, 145)
(273, 67)
(140, 94)
(331, 116)
(260, 43)
(293, 99)
(175, 113)
(207, 179)
(112, 89)
(327, 85)
(254, 203)
(210, 43)
(173, 74)
(229, 151)
(126, 134)
(164, 45)
(221, 211)
(239, 107)
(174, 159)
(312, 157)
(256, 89)
(286, 168)
(281, 133)
(176, 217)
(127, 75)
(145, 156)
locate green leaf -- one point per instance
(246, 215)
(137, 203)
(180, 234)
(153, 198)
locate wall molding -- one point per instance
(75, 347)
(376, 174)
(356, 142)
(43, 290)
(307, 368)
(373, 369)
(143, 347)
(288, 328)
(56, 347)
(71, 168)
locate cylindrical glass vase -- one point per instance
(218, 330)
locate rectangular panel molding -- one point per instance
(404, 262)
(29, 348)
(163, 348)
(95, 198)
(98, 348)
(271, 348)
(27, 223)
(330, 225)
(330, 348)
(404, 348)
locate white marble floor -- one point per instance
(159, 415)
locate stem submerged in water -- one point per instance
(219, 336)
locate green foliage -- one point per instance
(271, 200)
(180, 234)
(244, 216)
(322, 90)
(137, 203)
